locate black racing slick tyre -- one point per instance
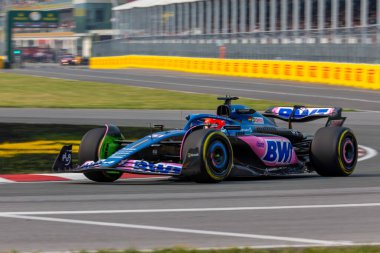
(334, 152)
(89, 151)
(207, 156)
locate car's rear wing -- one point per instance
(299, 113)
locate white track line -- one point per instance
(180, 210)
(179, 230)
(218, 88)
(370, 153)
(254, 81)
(370, 111)
(75, 80)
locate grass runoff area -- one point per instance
(23, 91)
(362, 249)
(32, 148)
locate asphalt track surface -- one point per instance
(268, 212)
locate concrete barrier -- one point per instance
(365, 76)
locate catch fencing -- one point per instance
(356, 45)
(2, 48)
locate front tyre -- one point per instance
(334, 152)
(89, 151)
(207, 156)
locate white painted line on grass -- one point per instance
(180, 210)
(370, 153)
(221, 88)
(178, 230)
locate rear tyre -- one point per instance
(89, 151)
(334, 152)
(207, 156)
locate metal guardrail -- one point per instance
(358, 45)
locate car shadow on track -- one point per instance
(179, 181)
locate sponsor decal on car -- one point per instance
(157, 135)
(278, 151)
(139, 166)
(260, 144)
(66, 158)
(272, 150)
(302, 112)
(258, 120)
(107, 163)
(92, 164)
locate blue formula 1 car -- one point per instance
(236, 142)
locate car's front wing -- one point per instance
(134, 166)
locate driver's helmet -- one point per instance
(214, 123)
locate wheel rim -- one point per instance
(349, 152)
(217, 156)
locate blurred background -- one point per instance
(81, 24)
(316, 30)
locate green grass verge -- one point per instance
(41, 161)
(362, 249)
(22, 91)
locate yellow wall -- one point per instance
(348, 74)
(1, 62)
